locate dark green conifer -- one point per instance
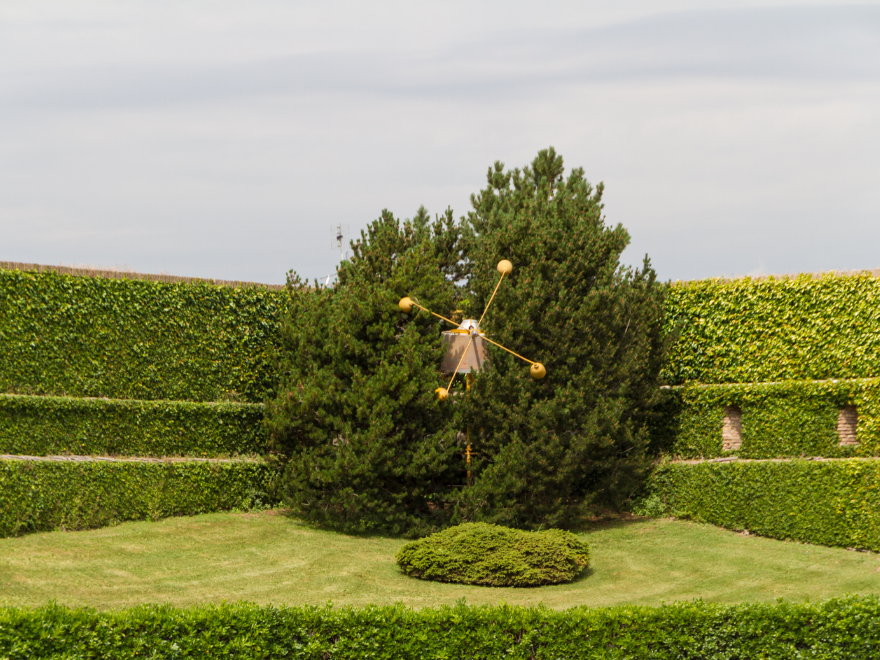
(368, 446)
(366, 443)
(555, 450)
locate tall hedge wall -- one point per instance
(43, 426)
(132, 339)
(37, 495)
(744, 331)
(794, 418)
(834, 502)
(842, 628)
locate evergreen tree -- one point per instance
(552, 451)
(366, 443)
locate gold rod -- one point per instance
(467, 348)
(508, 350)
(488, 304)
(435, 314)
(468, 456)
(470, 379)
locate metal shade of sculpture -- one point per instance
(465, 350)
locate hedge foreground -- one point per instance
(793, 418)
(42, 496)
(840, 628)
(47, 425)
(835, 503)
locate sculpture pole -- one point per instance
(471, 328)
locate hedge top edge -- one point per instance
(111, 274)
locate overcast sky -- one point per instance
(227, 139)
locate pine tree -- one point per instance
(555, 450)
(366, 443)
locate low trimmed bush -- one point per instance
(839, 628)
(45, 495)
(495, 556)
(833, 502)
(47, 425)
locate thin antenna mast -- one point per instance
(340, 242)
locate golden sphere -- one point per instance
(442, 393)
(537, 371)
(505, 267)
(406, 304)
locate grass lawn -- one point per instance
(271, 558)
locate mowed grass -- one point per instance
(270, 558)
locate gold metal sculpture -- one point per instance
(459, 342)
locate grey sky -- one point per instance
(225, 139)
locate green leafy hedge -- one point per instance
(491, 555)
(42, 495)
(840, 628)
(834, 502)
(743, 331)
(133, 339)
(43, 426)
(795, 418)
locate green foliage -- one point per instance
(42, 495)
(553, 451)
(835, 502)
(787, 419)
(744, 331)
(735, 338)
(132, 339)
(490, 555)
(650, 506)
(368, 445)
(839, 628)
(370, 448)
(45, 425)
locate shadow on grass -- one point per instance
(597, 524)
(612, 522)
(317, 526)
(587, 572)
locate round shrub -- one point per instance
(495, 556)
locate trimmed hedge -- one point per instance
(43, 426)
(496, 556)
(839, 628)
(794, 418)
(43, 495)
(835, 502)
(747, 331)
(133, 339)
